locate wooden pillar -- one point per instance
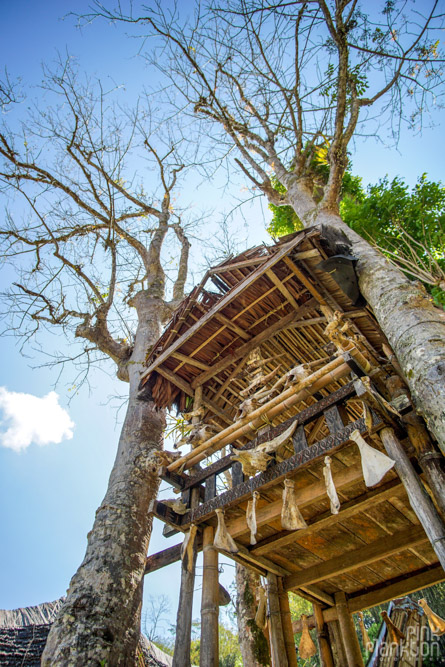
(322, 636)
(338, 652)
(432, 461)
(209, 649)
(277, 645)
(348, 633)
(420, 501)
(286, 621)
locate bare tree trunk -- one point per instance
(414, 327)
(99, 623)
(253, 644)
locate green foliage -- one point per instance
(260, 646)
(229, 652)
(407, 224)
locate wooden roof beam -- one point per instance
(349, 509)
(228, 298)
(382, 548)
(282, 288)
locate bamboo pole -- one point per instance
(329, 373)
(286, 621)
(348, 632)
(277, 644)
(322, 636)
(421, 503)
(209, 649)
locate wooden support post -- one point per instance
(348, 633)
(322, 636)
(286, 620)
(421, 503)
(209, 649)
(338, 652)
(431, 460)
(277, 645)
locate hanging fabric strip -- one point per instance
(291, 517)
(187, 547)
(261, 614)
(436, 623)
(251, 516)
(367, 643)
(223, 539)
(307, 648)
(375, 464)
(330, 486)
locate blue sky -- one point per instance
(48, 494)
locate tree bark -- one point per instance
(253, 644)
(414, 327)
(100, 620)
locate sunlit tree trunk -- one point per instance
(253, 644)
(100, 619)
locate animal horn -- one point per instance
(394, 632)
(223, 539)
(375, 464)
(330, 486)
(291, 517)
(436, 623)
(306, 648)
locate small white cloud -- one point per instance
(30, 419)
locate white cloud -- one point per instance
(30, 419)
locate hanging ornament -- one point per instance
(251, 516)
(306, 648)
(436, 623)
(187, 547)
(367, 643)
(291, 517)
(223, 540)
(261, 614)
(395, 634)
(330, 486)
(375, 464)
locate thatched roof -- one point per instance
(23, 635)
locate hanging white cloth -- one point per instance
(223, 540)
(251, 516)
(291, 517)
(330, 486)
(375, 464)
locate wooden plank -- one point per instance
(305, 281)
(397, 587)
(232, 325)
(347, 510)
(190, 360)
(168, 556)
(274, 474)
(230, 296)
(303, 417)
(317, 593)
(282, 288)
(245, 349)
(357, 558)
(210, 489)
(306, 495)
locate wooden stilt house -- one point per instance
(290, 386)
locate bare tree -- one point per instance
(285, 86)
(89, 255)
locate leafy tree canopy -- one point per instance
(407, 223)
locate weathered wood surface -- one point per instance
(420, 501)
(276, 257)
(348, 632)
(322, 637)
(396, 587)
(356, 558)
(347, 510)
(287, 625)
(277, 644)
